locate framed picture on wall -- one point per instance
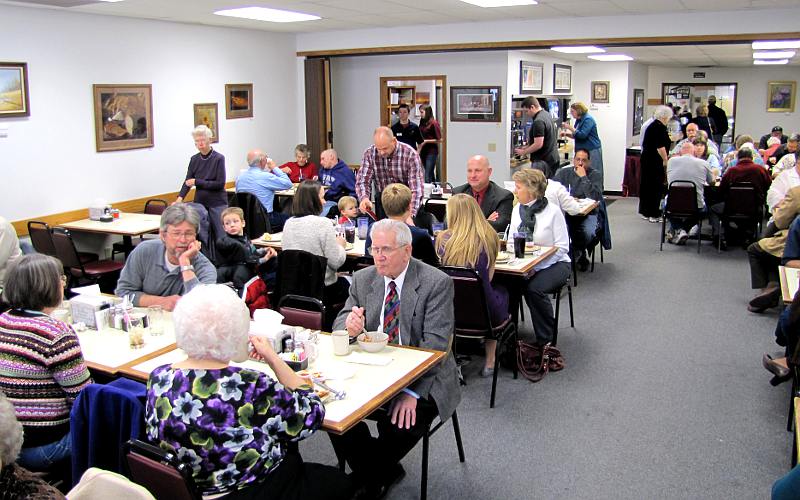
(475, 104)
(638, 111)
(123, 116)
(530, 77)
(14, 99)
(238, 100)
(780, 96)
(206, 114)
(600, 92)
(562, 78)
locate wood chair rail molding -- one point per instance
(544, 44)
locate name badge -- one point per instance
(399, 134)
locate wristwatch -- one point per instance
(187, 268)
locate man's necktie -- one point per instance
(391, 313)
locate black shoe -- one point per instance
(766, 300)
(394, 476)
(583, 262)
(722, 245)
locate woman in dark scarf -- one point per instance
(544, 224)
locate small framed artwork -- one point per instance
(780, 96)
(638, 111)
(530, 77)
(14, 100)
(562, 78)
(206, 114)
(600, 92)
(475, 104)
(238, 100)
(123, 116)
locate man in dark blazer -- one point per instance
(425, 319)
(495, 202)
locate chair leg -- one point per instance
(555, 327)
(494, 377)
(423, 483)
(594, 249)
(790, 422)
(573, 264)
(699, 233)
(515, 346)
(569, 296)
(663, 231)
(457, 432)
(601, 254)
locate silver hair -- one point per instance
(303, 149)
(202, 130)
(257, 159)
(212, 322)
(663, 113)
(177, 213)
(10, 432)
(401, 231)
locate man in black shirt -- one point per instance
(542, 145)
(777, 131)
(720, 120)
(405, 130)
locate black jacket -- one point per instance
(496, 199)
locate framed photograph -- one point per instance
(530, 77)
(475, 104)
(123, 116)
(638, 111)
(780, 96)
(562, 78)
(206, 114)
(238, 100)
(600, 92)
(14, 99)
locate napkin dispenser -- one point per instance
(277, 334)
(92, 311)
(98, 208)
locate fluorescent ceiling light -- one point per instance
(500, 3)
(778, 54)
(776, 44)
(611, 57)
(110, 1)
(771, 61)
(578, 49)
(265, 14)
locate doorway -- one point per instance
(417, 90)
(690, 95)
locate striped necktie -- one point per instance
(391, 313)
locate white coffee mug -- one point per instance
(341, 342)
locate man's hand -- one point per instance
(270, 165)
(169, 303)
(185, 259)
(580, 171)
(521, 151)
(270, 253)
(366, 205)
(493, 216)
(404, 410)
(355, 321)
(189, 182)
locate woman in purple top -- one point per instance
(206, 173)
(470, 241)
(231, 424)
(429, 148)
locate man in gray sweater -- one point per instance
(687, 167)
(159, 272)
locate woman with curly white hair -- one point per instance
(655, 145)
(233, 425)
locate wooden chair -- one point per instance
(681, 204)
(161, 472)
(153, 206)
(74, 268)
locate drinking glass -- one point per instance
(156, 316)
(136, 331)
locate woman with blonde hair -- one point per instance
(470, 241)
(585, 133)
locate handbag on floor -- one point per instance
(535, 361)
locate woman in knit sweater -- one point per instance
(41, 365)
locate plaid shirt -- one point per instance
(401, 166)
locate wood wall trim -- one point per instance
(539, 44)
(135, 205)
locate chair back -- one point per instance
(300, 273)
(298, 310)
(155, 206)
(254, 213)
(743, 201)
(161, 472)
(472, 317)
(41, 238)
(98, 483)
(65, 250)
(682, 199)
(437, 209)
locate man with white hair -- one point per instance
(262, 179)
(691, 134)
(412, 303)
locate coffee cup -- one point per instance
(341, 342)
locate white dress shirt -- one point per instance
(557, 194)
(781, 185)
(551, 230)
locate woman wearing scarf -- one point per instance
(545, 225)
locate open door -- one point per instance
(319, 118)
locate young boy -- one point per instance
(238, 259)
(348, 209)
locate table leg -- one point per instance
(127, 244)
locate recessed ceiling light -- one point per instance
(771, 61)
(778, 54)
(611, 57)
(776, 44)
(578, 49)
(265, 14)
(500, 3)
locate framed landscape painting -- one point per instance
(475, 104)
(780, 97)
(206, 114)
(123, 116)
(530, 77)
(14, 99)
(238, 100)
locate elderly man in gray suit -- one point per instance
(411, 302)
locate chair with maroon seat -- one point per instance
(42, 239)
(83, 273)
(298, 310)
(161, 472)
(153, 206)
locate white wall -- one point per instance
(751, 102)
(49, 161)
(355, 83)
(637, 79)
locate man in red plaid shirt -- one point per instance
(388, 161)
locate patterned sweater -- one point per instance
(41, 371)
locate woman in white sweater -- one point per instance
(308, 231)
(545, 224)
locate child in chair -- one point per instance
(348, 209)
(238, 260)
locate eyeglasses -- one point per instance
(188, 235)
(382, 250)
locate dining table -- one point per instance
(127, 225)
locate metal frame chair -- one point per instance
(312, 316)
(436, 208)
(74, 267)
(161, 472)
(254, 213)
(742, 204)
(681, 203)
(154, 206)
(41, 236)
